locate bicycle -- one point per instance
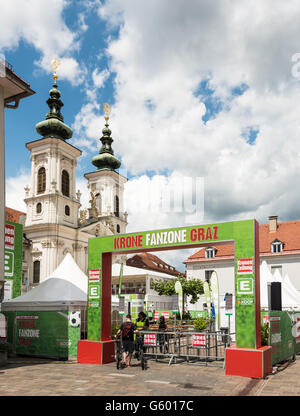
(118, 353)
(139, 352)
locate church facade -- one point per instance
(55, 225)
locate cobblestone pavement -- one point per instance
(24, 376)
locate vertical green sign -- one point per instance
(94, 303)
(13, 256)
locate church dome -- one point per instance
(106, 159)
(53, 125)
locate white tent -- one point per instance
(66, 288)
(290, 296)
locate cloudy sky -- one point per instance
(205, 100)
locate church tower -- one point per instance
(52, 197)
(53, 205)
(106, 185)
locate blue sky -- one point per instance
(196, 92)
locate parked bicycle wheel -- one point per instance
(118, 354)
(143, 360)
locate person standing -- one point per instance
(142, 324)
(126, 330)
(162, 338)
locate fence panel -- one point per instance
(206, 348)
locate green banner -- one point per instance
(244, 234)
(178, 290)
(51, 334)
(13, 257)
(281, 336)
(215, 298)
(120, 281)
(206, 290)
(198, 314)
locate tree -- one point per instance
(192, 287)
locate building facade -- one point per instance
(279, 247)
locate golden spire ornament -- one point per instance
(55, 64)
(106, 109)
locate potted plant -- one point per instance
(200, 324)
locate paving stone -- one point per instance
(35, 377)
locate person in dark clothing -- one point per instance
(127, 330)
(142, 324)
(162, 338)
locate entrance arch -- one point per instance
(243, 234)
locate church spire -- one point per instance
(53, 125)
(106, 159)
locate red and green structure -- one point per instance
(247, 358)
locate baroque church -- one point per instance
(54, 224)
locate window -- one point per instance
(276, 246)
(36, 272)
(65, 183)
(118, 229)
(274, 268)
(99, 202)
(41, 180)
(210, 253)
(117, 206)
(208, 274)
(67, 210)
(38, 208)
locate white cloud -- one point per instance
(99, 78)
(41, 24)
(160, 58)
(15, 192)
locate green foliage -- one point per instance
(192, 287)
(265, 335)
(201, 323)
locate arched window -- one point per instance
(276, 246)
(118, 229)
(38, 208)
(67, 210)
(36, 272)
(65, 183)
(117, 206)
(41, 180)
(99, 202)
(210, 253)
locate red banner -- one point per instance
(199, 340)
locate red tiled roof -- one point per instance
(151, 262)
(13, 215)
(287, 232)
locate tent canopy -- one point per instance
(65, 288)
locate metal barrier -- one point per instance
(206, 348)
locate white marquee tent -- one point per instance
(66, 288)
(290, 296)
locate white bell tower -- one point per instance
(52, 196)
(106, 185)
